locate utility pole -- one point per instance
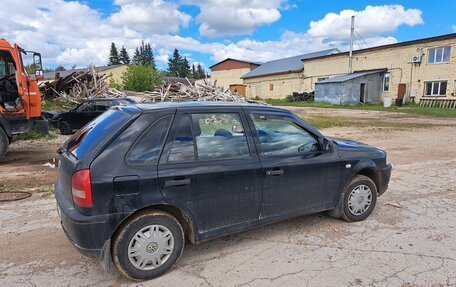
(352, 35)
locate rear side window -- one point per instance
(96, 132)
(182, 147)
(101, 106)
(219, 136)
(147, 149)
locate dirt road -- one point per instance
(409, 240)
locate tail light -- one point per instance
(81, 188)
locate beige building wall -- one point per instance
(274, 86)
(225, 78)
(398, 62)
(116, 73)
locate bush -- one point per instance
(141, 78)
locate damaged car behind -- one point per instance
(139, 181)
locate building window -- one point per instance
(386, 82)
(271, 87)
(436, 88)
(439, 55)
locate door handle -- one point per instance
(177, 182)
(274, 172)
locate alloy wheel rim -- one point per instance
(359, 200)
(151, 247)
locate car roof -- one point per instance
(107, 99)
(177, 105)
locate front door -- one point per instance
(362, 93)
(209, 165)
(298, 177)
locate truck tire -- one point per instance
(4, 143)
(360, 198)
(147, 245)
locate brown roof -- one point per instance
(401, 44)
(236, 60)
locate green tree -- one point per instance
(194, 74)
(175, 64)
(148, 56)
(137, 57)
(201, 74)
(184, 68)
(123, 56)
(60, 68)
(141, 78)
(113, 56)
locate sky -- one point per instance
(79, 33)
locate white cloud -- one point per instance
(236, 17)
(372, 21)
(155, 16)
(68, 33)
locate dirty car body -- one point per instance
(215, 168)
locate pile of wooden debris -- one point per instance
(72, 89)
(79, 86)
(183, 92)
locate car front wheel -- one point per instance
(359, 199)
(148, 245)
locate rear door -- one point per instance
(298, 177)
(210, 166)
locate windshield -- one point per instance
(96, 132)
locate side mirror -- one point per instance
(38, 65)
(326, 144)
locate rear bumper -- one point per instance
(384, 179)
(87, 233)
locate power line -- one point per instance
(361, 38)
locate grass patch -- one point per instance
(323, 122)
(33, 135)
(408, 109)
(53, 106)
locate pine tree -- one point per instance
(148, 56)
(194, 74)
(175, 64)
(201, 74)
(123, 56)
(113, 56)
(184, 68)
(137, 57)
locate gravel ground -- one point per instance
(407, 241)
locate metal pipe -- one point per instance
(352, 34)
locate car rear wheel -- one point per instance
(65, 128)
(148, 245)
(360, 198)
(4, 143)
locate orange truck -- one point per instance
(20, 100)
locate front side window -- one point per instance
(386, 82)
(435, 88)
(439, 55)
(101, 106)
(219, 136)
(86, 107)
(147, 149)
(280, 136)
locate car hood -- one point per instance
(347, 143)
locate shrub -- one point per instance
(140, 78)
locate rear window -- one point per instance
(95, 132)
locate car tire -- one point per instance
(147, 245)
(360, 198)
(64, 128)
(4, 143)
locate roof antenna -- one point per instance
(352, 34)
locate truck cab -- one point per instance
(20, 100)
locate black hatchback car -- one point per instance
(139, 180)
(78, 117)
